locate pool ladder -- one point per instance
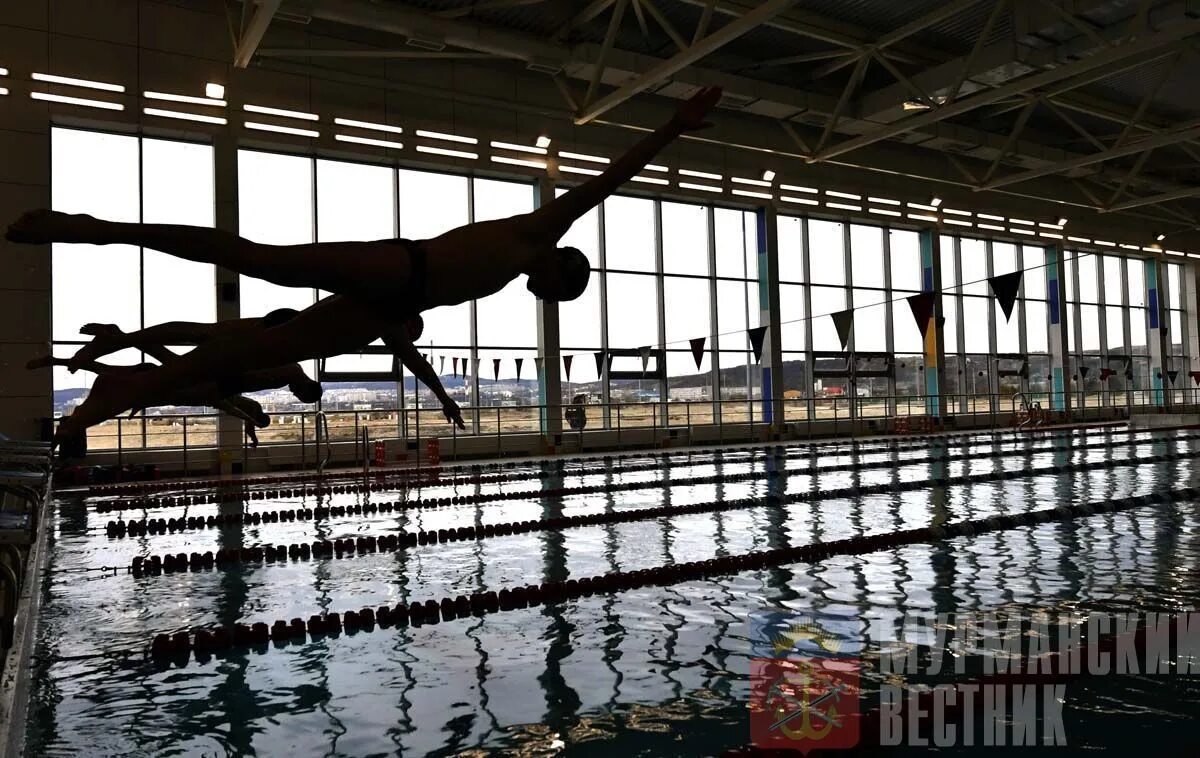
(1031, 414)
(323, 433)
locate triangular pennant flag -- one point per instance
(538, 362)
(842, 321)
(567, 366)
(1105, 373)
(757, 335)
(520, 362)
(456, 366)
(442, 365)
(698, 350)
(1005, 287)
(922, 309)
(600, 364)
(1173, 374)
(496, 369)
(1083, 371)
(477, 362)
(1195, 376)
(645, 353)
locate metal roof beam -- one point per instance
(1111, 56)
(1149, 143)
(254, 30)
(1178, 194)
(665, 69)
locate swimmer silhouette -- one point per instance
(381, 283)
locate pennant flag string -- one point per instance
(1005, 288)
(756, 336)
(698, 350)
(567, 366)
(842, 321)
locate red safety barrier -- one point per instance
(433, 452)
(380, 453)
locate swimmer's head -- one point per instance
(306, 390)
(414, 327)
(561, 276)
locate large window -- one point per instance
(130, 179)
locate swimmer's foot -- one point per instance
(96, 330)
(42, 226)
(100, 346)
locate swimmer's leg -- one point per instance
(362, 268)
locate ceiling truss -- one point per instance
(827, 123)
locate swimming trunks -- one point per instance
(418, 270)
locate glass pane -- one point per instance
(791, 249)
(975, 322)
(1136, 269)
(1036, 327)
(870, 328)
(906, 336)
(949, 272)
(1114, 287)
(906, 261)
(950, 339)
(826, 250)
(685, 239)
(686, 302)
(1088, 289)
(177, 188)
(579, 319)
(735, 239)
(275, 207)
(632, 311)
(866, 256)
(1004, 258)
(1034, 278)
(1089, 321)
(629, 233)
(826, 300)
(791, 316)
(1138, 327)
(1114, 328)
(509, 317)
(94, 173)
(974, 270)
(1008, 332)
(737, 311)
(431, 204)
(1175, 297)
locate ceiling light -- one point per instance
(768, 175)
(935, 201)
(1062, 220)
(214, 90)
(915, 105)
(1161, 237)
(543, 141)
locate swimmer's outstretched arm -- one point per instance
(243, 408)
(555, 218)
(414, 362)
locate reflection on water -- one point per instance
(621, 673)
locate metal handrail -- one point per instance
(322, 430)
(719, 415)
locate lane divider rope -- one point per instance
(627, 486)
(389, 543)
(206, 641)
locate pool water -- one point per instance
(650, 671)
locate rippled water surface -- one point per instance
(654, 671)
